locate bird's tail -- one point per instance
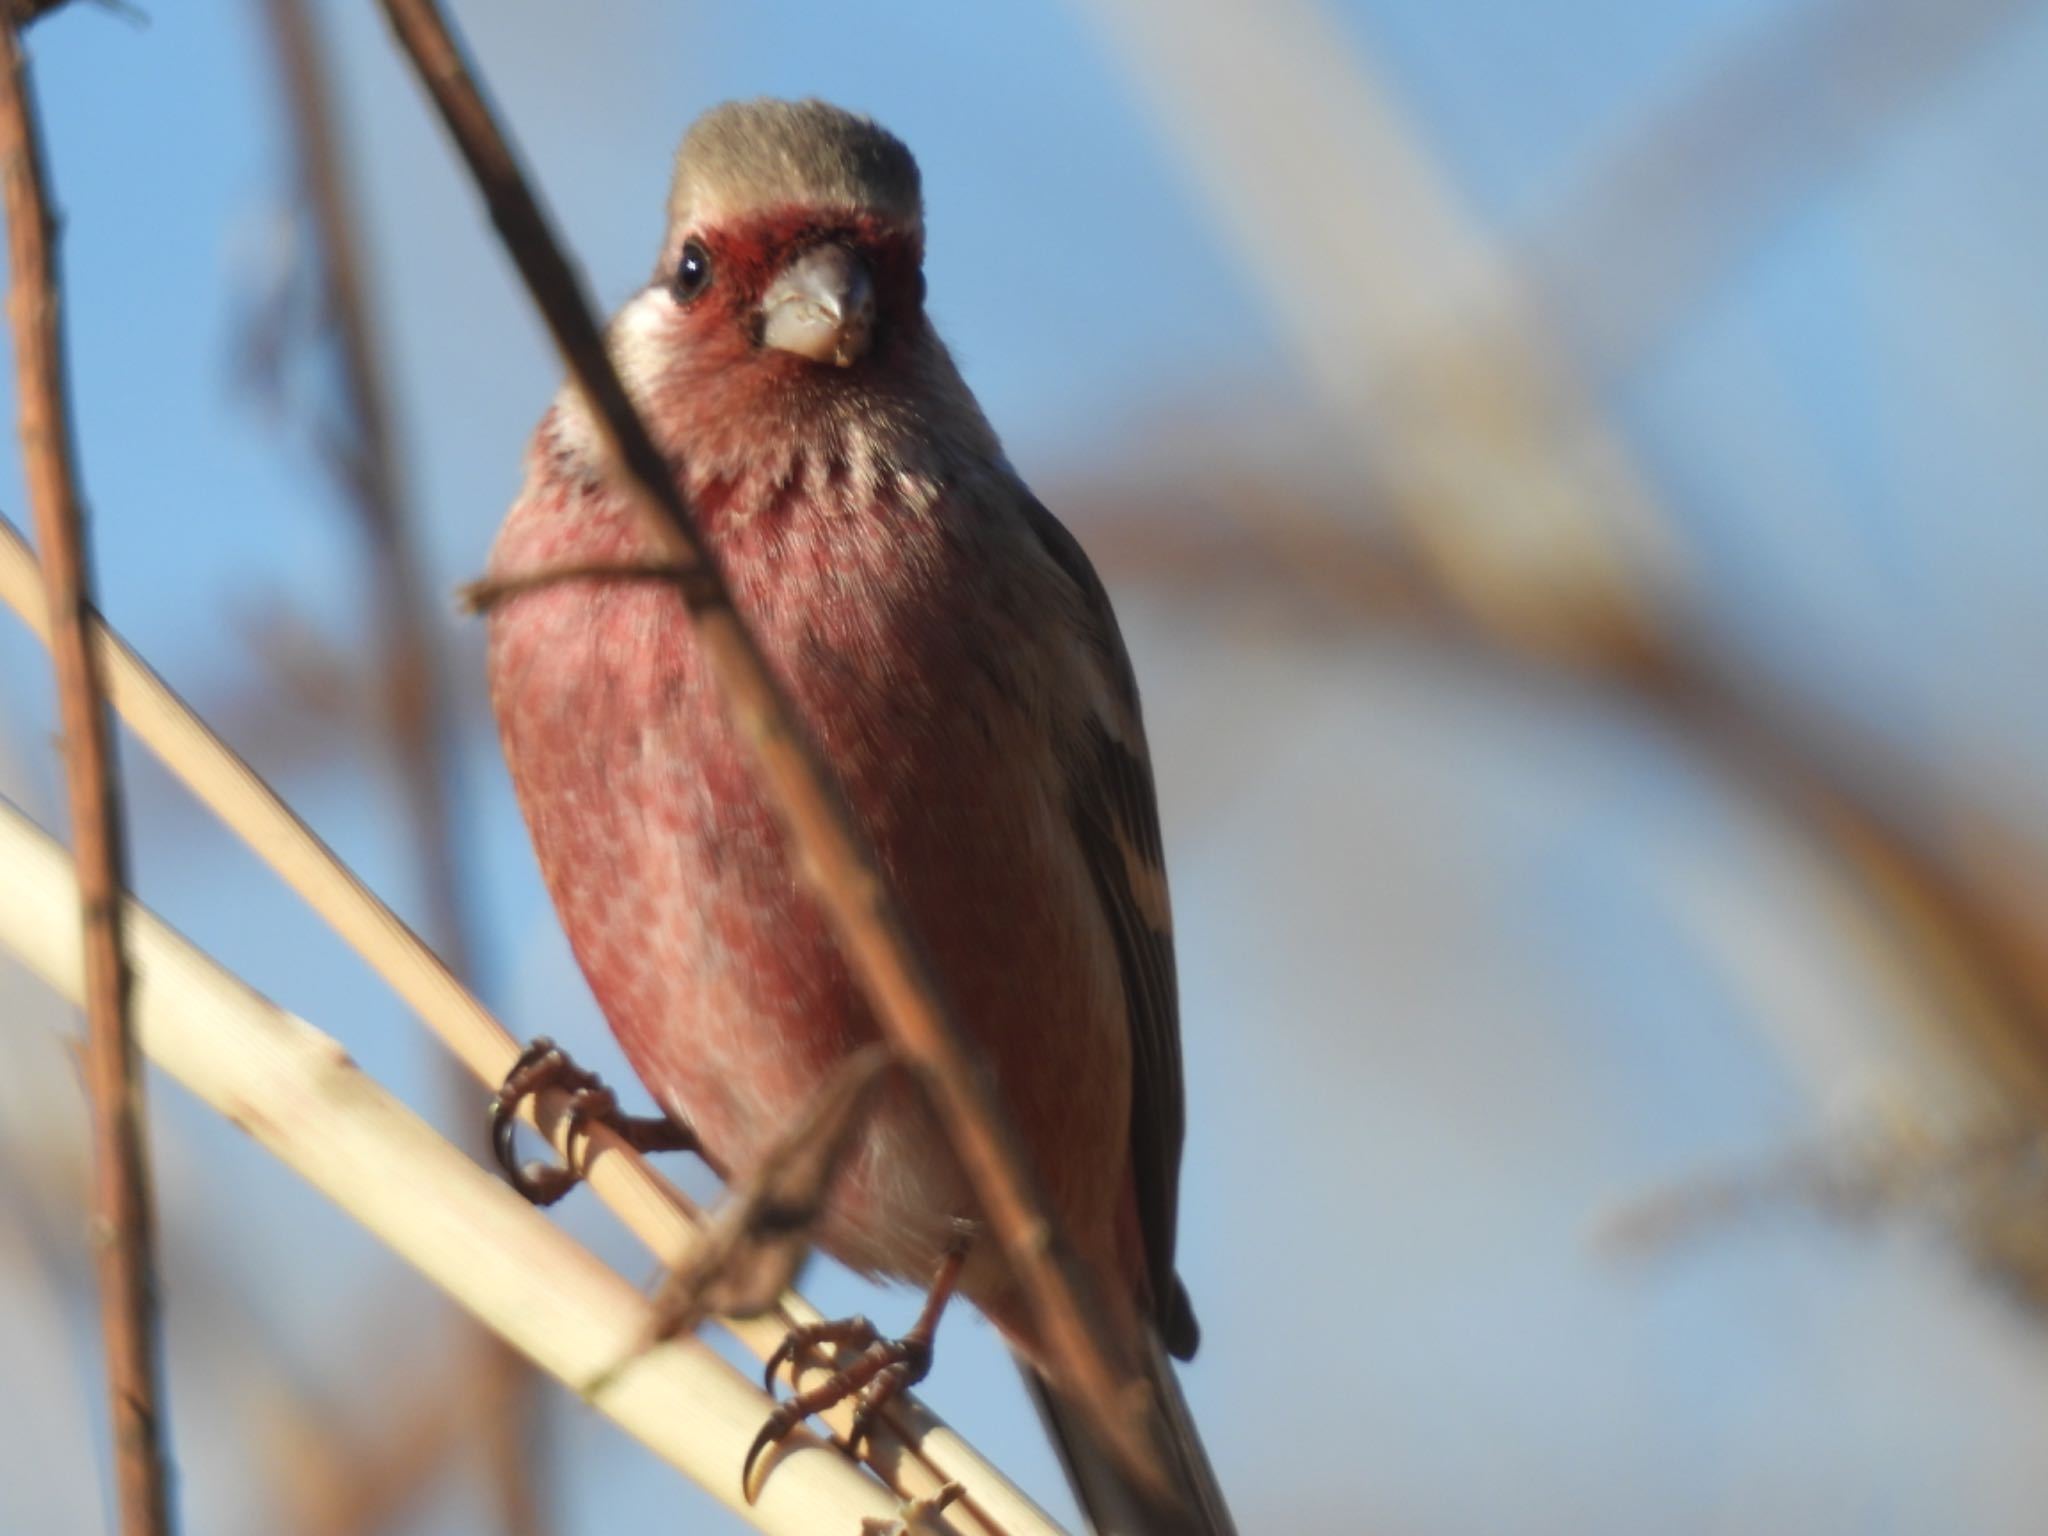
(1114, 1504)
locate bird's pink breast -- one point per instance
(919, 675)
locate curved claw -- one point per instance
(513, 1092)
(878, 1371)
(544, 1065)
(774, 1432)
(785, 1354)
(536, 1066)
(541, 1183)
(850, 1333)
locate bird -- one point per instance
(954, 656)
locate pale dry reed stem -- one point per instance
(295, 1091)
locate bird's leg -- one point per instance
(544, 1065)
(872, 1369)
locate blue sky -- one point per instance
(1466, 962)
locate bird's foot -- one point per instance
(866, 1368)
(542, 1066)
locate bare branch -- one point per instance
(123, 1217)
(361, 454)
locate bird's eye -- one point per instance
(693, 272)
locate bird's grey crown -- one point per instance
(748, 156)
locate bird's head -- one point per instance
(791, 271)
(795, 228)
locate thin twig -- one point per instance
(915, 1453)
(362, 458)
(1088, 1362)
(123, 1218)
(1884, 1165)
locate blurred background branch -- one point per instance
(356, 440)
(1645, 232)
(1504, 476)
(1521, 533)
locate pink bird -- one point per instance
(956, 659)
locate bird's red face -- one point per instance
(791, 303)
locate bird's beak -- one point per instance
(821, 306)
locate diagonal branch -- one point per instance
(123, 1218)
(1090, 1364)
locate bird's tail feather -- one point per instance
(1113, 1503)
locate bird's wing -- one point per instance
(1116, 817)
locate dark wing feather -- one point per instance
(1116, 816)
